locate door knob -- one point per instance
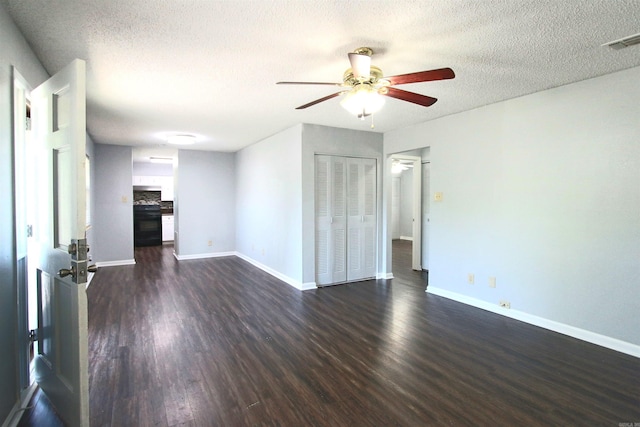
(64, 272)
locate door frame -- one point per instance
(21, 91)
(416, 251)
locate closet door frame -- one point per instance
(330, 228)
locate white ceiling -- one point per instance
(209, 68)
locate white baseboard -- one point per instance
(288, 280)
(115, 263)
(15, 414)
(406, 238)
(552, 325)
(385, 276)
(202, 256)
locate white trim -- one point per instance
(307, 286)
(201, 256)
(552, 325)
(288, 280)
(13, 419)
(384, 276)
(409, 238)
(115, 263)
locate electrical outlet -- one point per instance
(210, 243)
(492, 282)
(437, 196)
(124, 199)
(504, 304)
(471, 278)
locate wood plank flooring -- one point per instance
(217, 342)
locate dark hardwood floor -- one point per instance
(217, 342)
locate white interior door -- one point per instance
(426, 209)
(416, 258)
(59, 128)
(330, 220)
(346, 218)
(361, 221)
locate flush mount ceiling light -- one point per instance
(181, 139)
(165, 160)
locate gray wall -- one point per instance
(318, 139)
(204, 202)
(113, 216)
(269, 203)
(543, 193)
(15, 51)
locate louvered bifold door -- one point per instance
(330, 220)
(361, 221)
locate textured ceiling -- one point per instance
(209, 67)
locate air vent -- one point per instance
(625, 42)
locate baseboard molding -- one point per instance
(552, 325)
(14, 416)
(384, 276)
(288, 280)
(406, 238)
(202, 256)
(115, 263)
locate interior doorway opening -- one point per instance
(406, 196)
(410, 207)
(25, 190)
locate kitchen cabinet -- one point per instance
(148, 181)
(167, 228)
(166, 190)
(164, 183)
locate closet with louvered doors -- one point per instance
(346, 219)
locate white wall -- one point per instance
(112, 227)
(318, 139)
(269, 204)
(204, 203)
(543, 193)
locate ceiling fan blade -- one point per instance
(317, 101)
(422, 76)
(416, 98)
(309, 83)
(360, 65)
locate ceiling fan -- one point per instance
(365, 87)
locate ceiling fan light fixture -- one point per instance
(363, 100)
(181, 139)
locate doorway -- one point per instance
(154, 196)
(25, 190)
(406, 204)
